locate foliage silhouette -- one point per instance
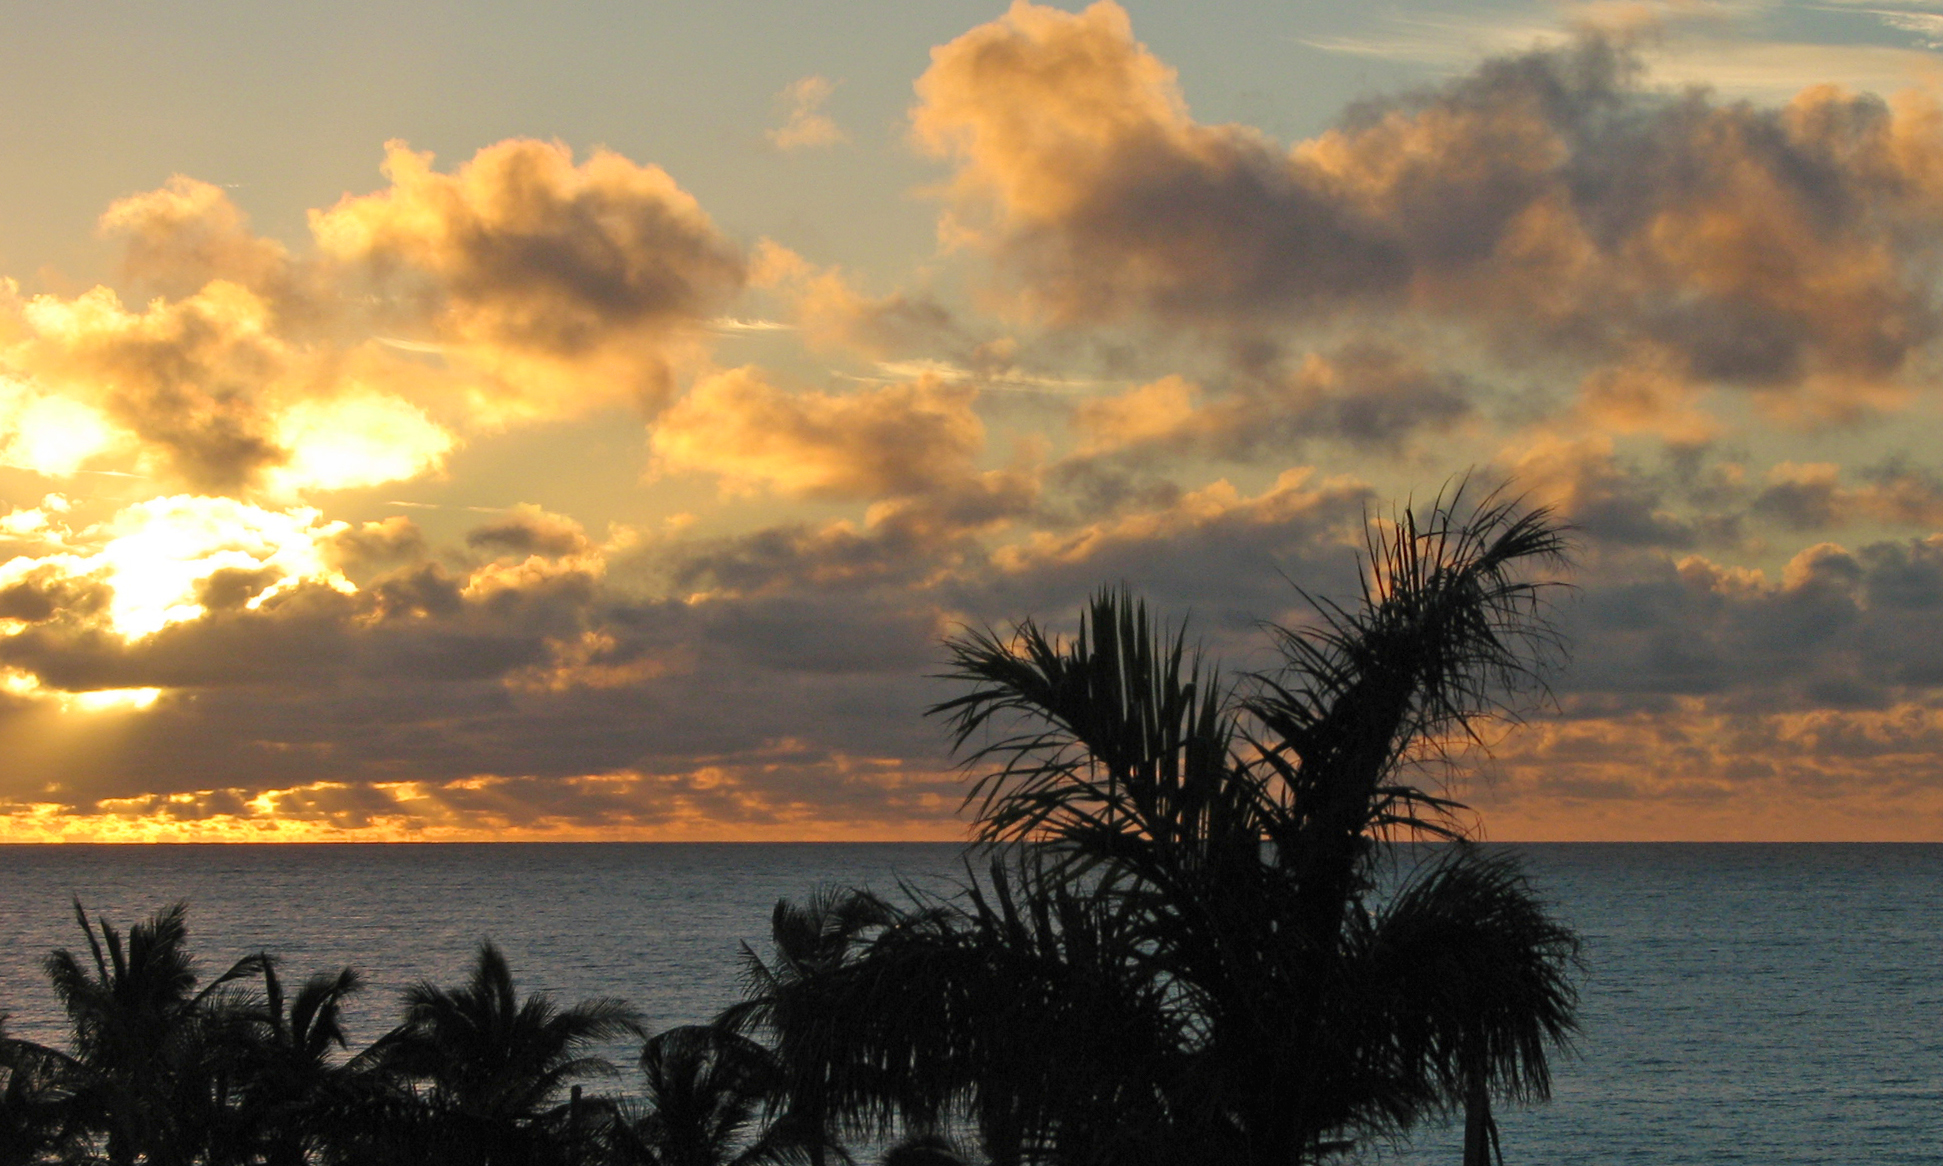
(478, 1074)
(35, 1123)
(1183, 950)
(296, 1096)
(713, 1097)
(148, 1071)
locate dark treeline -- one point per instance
(1189, 937)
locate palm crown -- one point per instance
(1185, 949)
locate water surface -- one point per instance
(1744, 1003)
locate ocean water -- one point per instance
(1743, 1003)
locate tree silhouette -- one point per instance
(716, 1098)
(296, 1094)
(1185, 949)
(36, 1121)
(484, 1072)
(148, 1073)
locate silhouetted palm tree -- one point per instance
(1184, 953)
(295, 1093)
(148, 1074)
(490, 1069)
(35, 1119)
(715, 1098)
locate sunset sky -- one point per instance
(524, 420)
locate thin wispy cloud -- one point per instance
(806, 126)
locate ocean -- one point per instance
(1743, 1002)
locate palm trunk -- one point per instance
(1480, 1128)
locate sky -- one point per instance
(586, 421)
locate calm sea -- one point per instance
(1745, 1003)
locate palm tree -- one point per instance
(295, 1094)
(149, 1073)
(708, 1092)
(35, 1121)
(1184, 950)
(487, 1070)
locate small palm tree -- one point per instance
(488, 1072)
(35, 1118)
(296, 1093)
(715, 1098)
(1183, 951)
(149, 1074)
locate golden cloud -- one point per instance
(1369, 395)
(807, 126)
(1544, 199)
(188, 234)
(565, 281)
(879, 441)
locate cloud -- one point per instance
(1839, 629)
(49, 433)
(206, 391)
(528, 530)
(186, 377)
(357, 440)
(884, 441)
(1367, 395)
(1546, 200)
(1235, 348)
(1812, 497)
(1607, 501)
(807, 127)
(169, 559)
(564, 281)
(187, 234)
(521, 287)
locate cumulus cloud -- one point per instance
(1838, 628)
(1544, 198)
(205, 647)
(563, 279)
(1812, 496)
(1608, 501)
(206, 391)
(362, 439)
(187, 234)
(521, 286)
(528, 530)
(50, 433)
(186, 377)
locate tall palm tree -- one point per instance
(149, 1074)
(1185, 941)
(488, 1070)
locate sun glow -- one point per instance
(159, 556)
(165, 549)
(110, 699)
(17, 682)
(353, 441)
(49, 434)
